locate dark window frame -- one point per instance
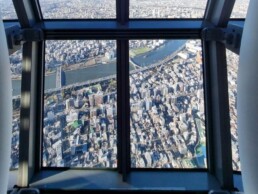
(122, 29)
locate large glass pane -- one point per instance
(232, 61)
(7, 10)
(16, 69)
(167, 104)
(78, 9)
(240, 9)
(167, 8)
(80, 110)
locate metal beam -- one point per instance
(218, 12)
(28, 114)
(122, 11)
(15, 36)
(123, 107)
(12, 32)
(39, 95)
(230, 36)
(140, 29)
(28, 15)
(218, 133)
(28, 12)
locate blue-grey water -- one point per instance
(103, 70)
(159, 53)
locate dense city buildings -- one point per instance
(80, 119)
(167, 111)
(167, 9)
(80, 126)
(167, 120)
(232, 62)
(240, 9)
(78, 9)
(7, 9)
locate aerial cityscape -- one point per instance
(232, 62)
(167, 120)
(166, 100)
(167, 109)
(101, 9)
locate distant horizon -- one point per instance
(109, 11)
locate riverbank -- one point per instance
(138, 51)
(82, 73)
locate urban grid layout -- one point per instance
(167, 117)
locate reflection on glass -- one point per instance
(78, 9)
(167, 104)
(232, 61)
(240, 9)
(167, 8)
(7, 10)
(16, 70)
(80, 109)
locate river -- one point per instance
(103, 70)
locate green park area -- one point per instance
(76, 124)
(138, 51)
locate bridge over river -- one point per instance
(60, 79)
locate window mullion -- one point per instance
(28, 12)
(28, 114)
(39, 105)
(123, 107)
(122, 11)
(219, 136)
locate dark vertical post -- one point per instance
(123, 106)
(28, 15)
(218, 120)
(39, 105)
(122, 11)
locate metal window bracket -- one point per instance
(30, 35)
(230, 36)
(21, 190)
(25, 191)
(16, 36)
(12, 33)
